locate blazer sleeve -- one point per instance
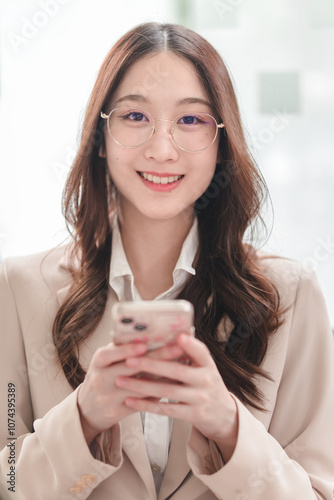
(48, 458)
(294, 459)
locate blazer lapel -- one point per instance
(177, 466)
(134, 446)
(65, 285)
(62, 292)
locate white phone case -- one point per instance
(156, 323)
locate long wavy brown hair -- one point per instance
(229, 282)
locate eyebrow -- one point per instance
(142, 98)
(132, 97)
(194, 100)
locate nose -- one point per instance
(161, 146)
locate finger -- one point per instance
(110, 354)
(166, 352)
(159, 390)
(196, 350)
(174, 370)
(110, 372)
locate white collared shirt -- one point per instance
(157, 428)
(121, 278)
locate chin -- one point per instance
(163, 214)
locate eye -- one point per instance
(191, 120)
(135, 116)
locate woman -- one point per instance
(158, 201)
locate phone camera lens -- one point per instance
(126, 320)
(140, 326)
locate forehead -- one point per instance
(162, 76)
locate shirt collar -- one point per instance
(121, 278)
(188, 251)
(120, 271)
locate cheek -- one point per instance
(209, 165)
(206, 175)
(117, 156)
(201, 182)
(114, 161)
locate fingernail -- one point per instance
(139, 348)
(184, 338)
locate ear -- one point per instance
(102, 150)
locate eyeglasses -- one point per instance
(192, 132)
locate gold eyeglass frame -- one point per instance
(153, 131)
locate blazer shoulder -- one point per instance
(287, 275)
(46, 267)
(281, 268)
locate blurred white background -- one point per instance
(281, 57)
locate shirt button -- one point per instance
(155, 469)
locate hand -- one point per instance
(199, 391)
(100, 401)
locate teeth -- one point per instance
(160, 180)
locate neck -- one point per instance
(152, 248)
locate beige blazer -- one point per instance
(285, 453)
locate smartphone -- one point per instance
(156, 322)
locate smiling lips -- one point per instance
(161, 183)
(158, 179)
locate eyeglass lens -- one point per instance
(133, 127)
